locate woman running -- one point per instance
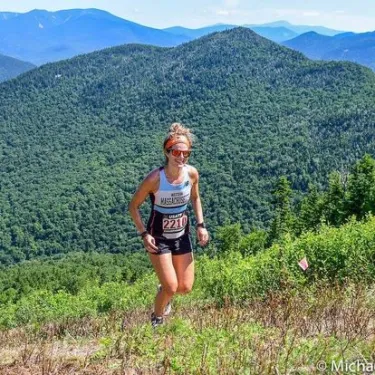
(167, 238)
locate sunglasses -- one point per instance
(177, 153)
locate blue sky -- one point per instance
(354, 15)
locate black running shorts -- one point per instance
(177, 246)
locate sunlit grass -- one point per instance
(288, 332)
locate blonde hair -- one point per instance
(176, 131)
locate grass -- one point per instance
(288, 332)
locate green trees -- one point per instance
(310, 210)
(360, 197)
(347, 194)
(283, 218)
(334, 200)
(323, 227)
(70, 273)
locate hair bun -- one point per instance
(177, 129)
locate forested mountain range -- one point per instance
(358, 48)
(301, 29)
(10, 67)
(40, 36)
(277, 34)
(77, 136)
(278, 31)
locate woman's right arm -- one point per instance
(148, 185)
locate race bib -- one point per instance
(174, 223)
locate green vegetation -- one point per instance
(252, 307)
(70, 273)
(258, 314)
(336, 255)
(334, 229)
(78, 136)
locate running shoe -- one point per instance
(156, 320)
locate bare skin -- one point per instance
(175, 272)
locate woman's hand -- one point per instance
(203, 236)
(149, 243)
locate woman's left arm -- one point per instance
(202, 232)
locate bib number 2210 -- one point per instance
(173, 224)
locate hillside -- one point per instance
(359, 48)
(10, 67)
(40, 36)
(77, 136)
(258, 313)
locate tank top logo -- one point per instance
(175, 199)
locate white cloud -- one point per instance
(231, 3)
(228, 8)
(222, 12)
(312, 13)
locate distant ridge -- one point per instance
(276, 34)
(301, 29)
(278, 31)
(11, 68)
(359, 48)
(40, 36)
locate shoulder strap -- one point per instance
(187, 177)
(163, 178)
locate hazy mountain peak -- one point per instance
(38, 12)
(280, 23)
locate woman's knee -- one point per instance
(170, 288)
(184, 288)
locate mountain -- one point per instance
(40, 36)
(301, 29)
(277, 34)
(359, 48)
(78, 136)
(278, 31)
(10, 67)
(311, 44)
(197, 33)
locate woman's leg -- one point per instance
(184, 268)
(167, 276)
